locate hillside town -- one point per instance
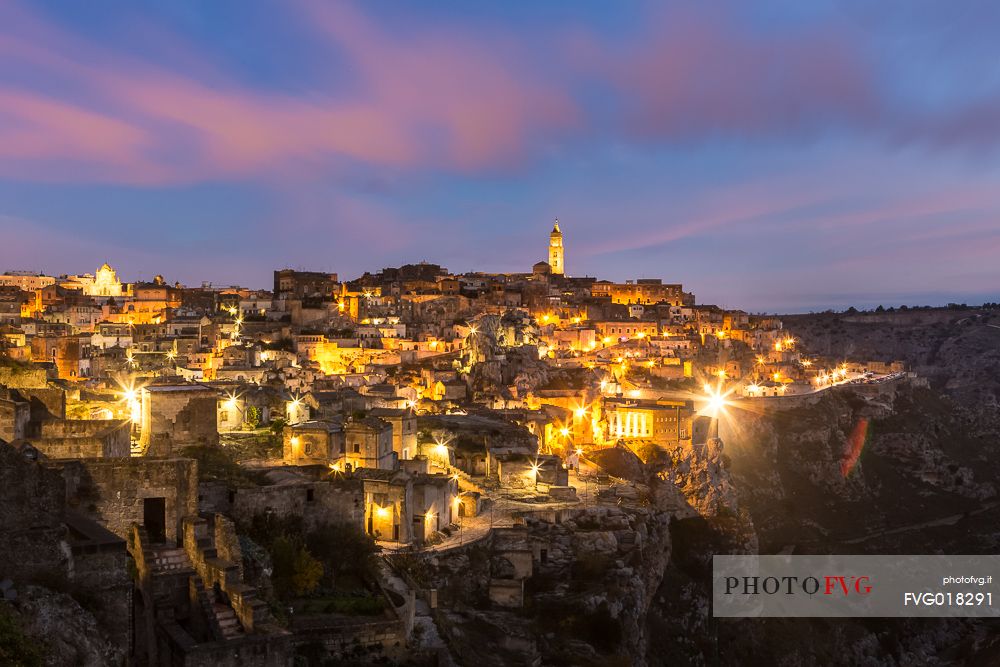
(242, 473)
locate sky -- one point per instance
(779, 156)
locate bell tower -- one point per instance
(556, 250)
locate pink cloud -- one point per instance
(476, 92)
(696, 74)
(37, 127)
(437, 101)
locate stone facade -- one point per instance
(313, 442)
(117, 493)
(33, 536)
(84, 438)
(369, 444)
(176, 416)
(338, 500)
(14, 415)
(404, 429)
(42, 539)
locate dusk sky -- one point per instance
(779, 156)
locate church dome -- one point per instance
(541, 268)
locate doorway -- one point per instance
(154, 518)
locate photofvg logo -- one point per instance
(854, 585)
(829, 584)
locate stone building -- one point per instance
(314, 442)
(388, 504)
(308, 492)
(177, 415)
(434, 504)
(661, 422)
(84, 438)
(647, 291)
(15, 411)
(116, 493)
(368, 442)
(42, 537)
(69, 353)
(190, 605)
(556, 251)
(404, 429)
(105, 283)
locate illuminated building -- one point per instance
(661, 422)
(556, 250)
(26, 280)
(106, 283)
(643, 291)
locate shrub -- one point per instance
(15, 647)
(296, 571)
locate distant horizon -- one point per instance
(823, 303)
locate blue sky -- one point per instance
(777, 156)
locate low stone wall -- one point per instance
(84, 439)
(23, 378)
(341, 637)
(248, 651)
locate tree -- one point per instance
(252, 417)
(296, 571)
(307, 572)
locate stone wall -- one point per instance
(176, 417)
(14, 416)
(103, 573)
(340, 638)
(111, 492)
(84, 438)
(46, 399)
(23, 378)
(32, 511)
(248, 651)
(316, 502)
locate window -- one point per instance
(309, 495)
(357, 448)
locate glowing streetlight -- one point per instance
(580, 412)
(564, 432)
(535, 469)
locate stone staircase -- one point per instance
(228, 623)
(169, 560)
